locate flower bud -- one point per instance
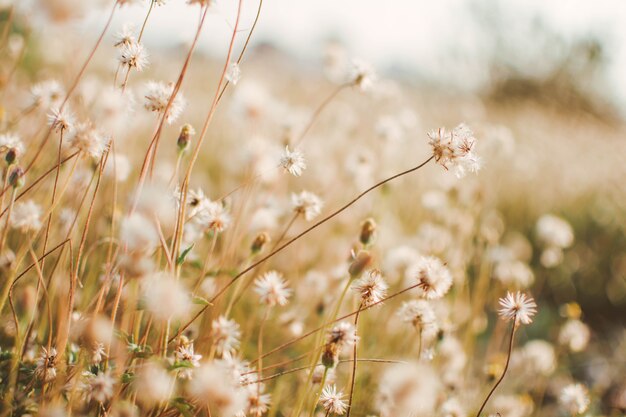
(259, 242)
(16, 178)
(11, 156)
(360, 263)
(184, 138)
(368, 231)
(330, 356)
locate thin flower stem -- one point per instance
(354, 362)
(506, 366)
(298, 236)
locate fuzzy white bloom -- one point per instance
(46, 365)
(574, 399)
(306, 203)
(126, 36)
(97, 353)
(409, 389)
(575, 335)
(133, 55)
(233, 73)
(554, 231)
(257, 402)
(138, 233)
(26, 216)
(272, 289)
(88, 140)
(343, 335)
(514, 274)
(61, 120)
(216, 386)
(226, 334)
(47, 94)
(10, 141)
(158, 95)
(293, 161)
(517, 306)
(332, 400)
(539, 356)
(363, 75)
(455, 149)
(421, 315)
(185, 353)
(432, 275)
(213, 215)
(453, 408)
(165, 297)
(371, 287)
(153, 384)
(99, 387)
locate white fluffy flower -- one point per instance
(554, 231)
(158, 95)
(575, 335)
(517, 306)
(225, 334)
(371, 287)
(26, 216)
(233, 73)
(133, 55)
(165, 297)
(293, 161)
(574, 399)
(421, 315)
(332, 400)
(433, 277)
(455, 149)
(306, 203)
(272, 289)
(88, 140)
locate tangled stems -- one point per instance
(295, 238)
(506, 366)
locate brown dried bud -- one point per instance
(11, 156)
(259, 242)
(368, 231)
(361, 262)
(16, 178)
(184, 138)
(330, 356)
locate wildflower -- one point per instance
(158, 95)
(47, 94)
(26, 216)
(306, 203)
(153, 384)
(138, 233)
(259, 242)
(539, 355)
(368, 232)
(363, 75)
(554, 231)
(455, 149)
(184, 138)
(100, 386)
(517, 306)
(165, 297)
(226, 334)
(360, 262)
(126, 37)
(408, 389)
(433, 278)
(213, 216)
(574, 335)
(46, 365)
(272, 289)
(293, 162)
(16, 177)
(61, 120)
(185, 353)
(574, 399)
(514, 273)
(233, 73)
(421, 315)
(12, 145)
(133, 56)
(372, 287)
(258, 402)
(332, 400)
(216, 386)
(343, 335)
(97, 353)
(88, 140)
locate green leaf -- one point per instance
(201, 301)
(182, 256)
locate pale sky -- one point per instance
(441, 40)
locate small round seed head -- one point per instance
(361, 262)
(371, 287)
(184, 138)
(574, 399)
(368, 232)
(259, 242)
(16, 178)
(517, 306)
(272, 289)
(332, 400)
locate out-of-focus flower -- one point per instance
(306, 203)
(293, 161)
(574, 399)
(433, 278)
(158, 95)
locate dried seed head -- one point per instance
(368, 232)
(361, 262)
(184, 138)
(259, 242)
(16, 178)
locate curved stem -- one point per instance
(506, 367)
(354, 362)
(298, 236)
